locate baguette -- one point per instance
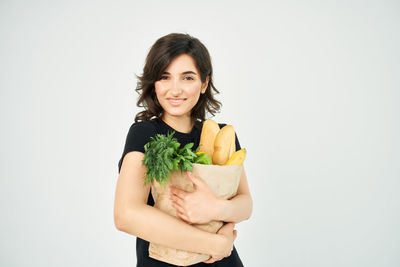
(224, 145)
(208, 133)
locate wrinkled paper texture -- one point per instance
(222, 180)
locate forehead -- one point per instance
(181, 64)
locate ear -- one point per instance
(205, 84)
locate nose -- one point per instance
(176, 88)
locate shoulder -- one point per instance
(144, 124)
(143, 127)
(140, 132)
(138, 135)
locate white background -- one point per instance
(311, 87)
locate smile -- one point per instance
(176, 101)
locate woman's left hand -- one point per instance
(200, 206)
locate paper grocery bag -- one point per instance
(222, 180)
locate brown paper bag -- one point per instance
(222, 180)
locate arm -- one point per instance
(238, 208)
(133, 216)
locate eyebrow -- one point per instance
(186, 72)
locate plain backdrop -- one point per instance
(311, 87)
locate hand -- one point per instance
(200, 206)
(231, 234)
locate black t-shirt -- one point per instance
(139, 134)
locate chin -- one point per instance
(177, 114)
(176, 111)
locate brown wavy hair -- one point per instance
(163, 51)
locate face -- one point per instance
(179, 87)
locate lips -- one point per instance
(176, 101)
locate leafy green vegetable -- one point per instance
(159, 157)
(203, 158)
(163, 155)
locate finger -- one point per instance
(176, 200)
(178, 207)
(212, 260)
(209, 261)
(184, 217)
(230, 226)
(177, 192)
(195, 180)
(226, 228)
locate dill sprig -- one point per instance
(163, 155)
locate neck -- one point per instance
(183, 124)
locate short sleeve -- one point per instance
(236, 138)
(138, 135)
(237, 142)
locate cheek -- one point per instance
(159, 88)
(194, 91)
(194, 97)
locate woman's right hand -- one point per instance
(229, 234)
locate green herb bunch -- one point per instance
(163, 155)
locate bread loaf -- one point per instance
(207, 137)
(224, 145)
(233, 147)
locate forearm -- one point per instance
(153, 225)
(237, 209)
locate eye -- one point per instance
(163, 77)
(189, 77)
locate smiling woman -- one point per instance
(179, 88)
(176, 91)
(162, 70)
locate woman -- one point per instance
(176, 91)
